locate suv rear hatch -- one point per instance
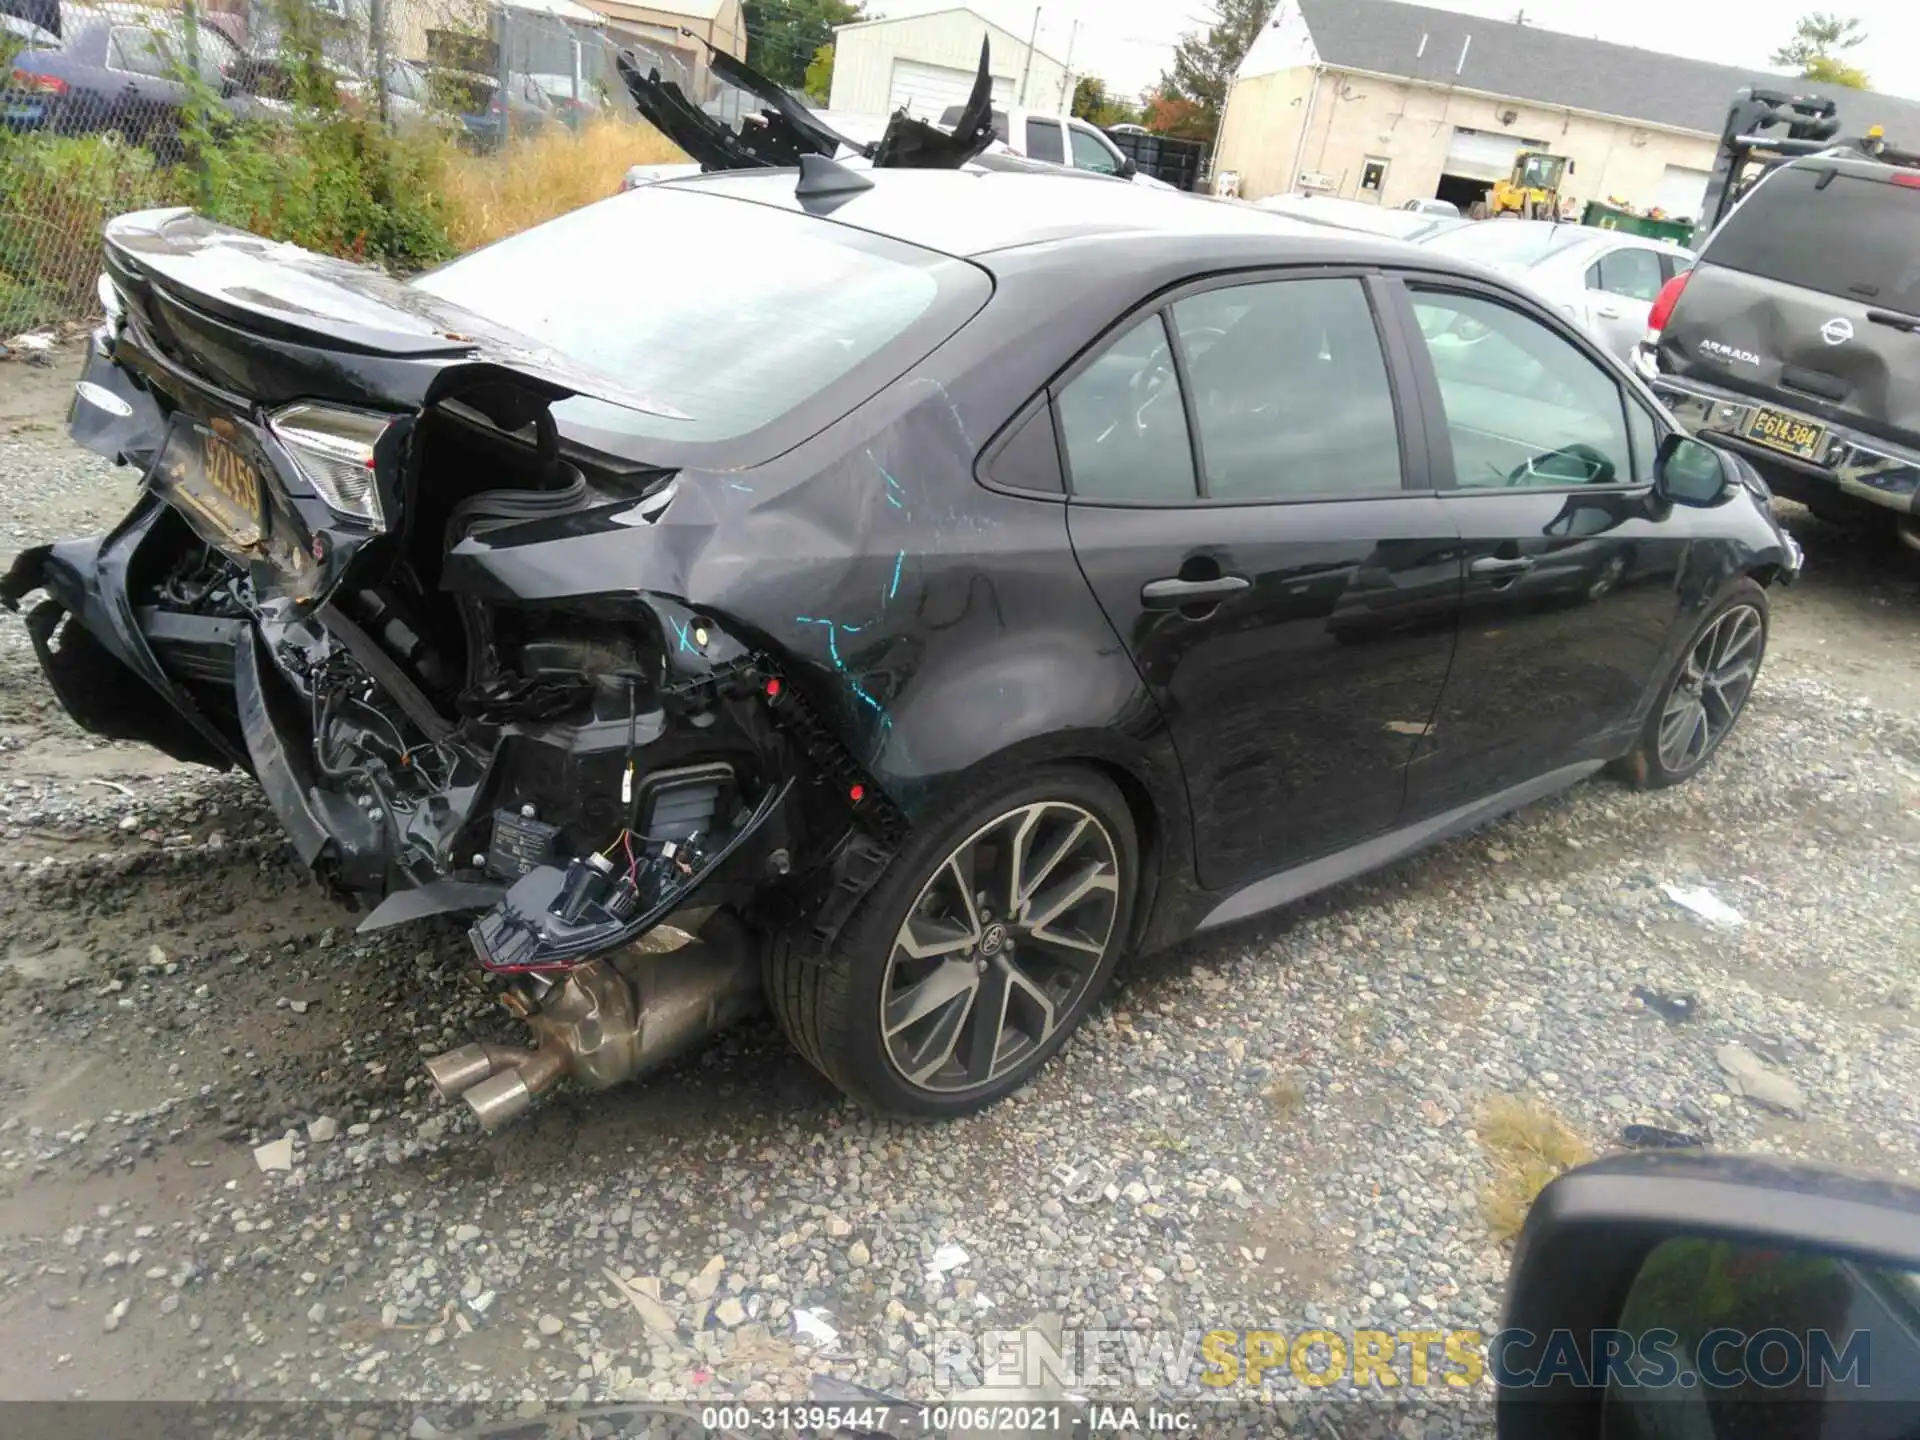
(1807, 299)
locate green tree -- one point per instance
(1092, 102)
(1204, 64)
(1815, 49)
(820, 75)
(784, 37)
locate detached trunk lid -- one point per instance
(1808, 296)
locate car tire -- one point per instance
(930, 1058)
(1705, 694)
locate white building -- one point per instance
(1381, 101)
(925, 63)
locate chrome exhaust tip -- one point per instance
(499, 1100)
(459, 1070)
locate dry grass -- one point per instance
(1527, 1145)
(492, 196)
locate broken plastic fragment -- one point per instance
(1704, 903)
(1657, 1137)
(1669, 1007)
(946, 1259)
(815, 1325)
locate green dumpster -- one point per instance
(1602, 216)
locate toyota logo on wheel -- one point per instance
(1837, 331)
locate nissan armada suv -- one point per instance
(1795, 340)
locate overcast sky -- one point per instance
(1129, 42)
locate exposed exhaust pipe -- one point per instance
(607, 1021)
(1907, 527)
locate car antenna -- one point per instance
(826, 180)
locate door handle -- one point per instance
(1173, 593)
(1496, 566)
(1607, 312)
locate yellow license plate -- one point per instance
(209, 480)
(1787, 433)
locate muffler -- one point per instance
(606, 1021)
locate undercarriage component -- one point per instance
(608, 1021)
(555, 917)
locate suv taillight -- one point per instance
(1664, 302)
(28, 81)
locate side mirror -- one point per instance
(1681, 1293)
(1687, 472)
(1127, 168)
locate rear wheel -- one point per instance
(985, 943)
(1706, 693)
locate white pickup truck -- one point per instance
(1059, 140)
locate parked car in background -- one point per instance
(1796, 339)
(1060, 140)
(575, 100)
(1605, 279)
(1429, 205)
(1357, 215)
(111, 74)
(488, 116)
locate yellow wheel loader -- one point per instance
(1532, 191)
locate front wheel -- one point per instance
(978, 952)
(1704, 696)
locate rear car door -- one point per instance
(1044, 141)
(1545, 455)
(144, 99)
(1808, 297)
(1251, 506)
(1622, 285)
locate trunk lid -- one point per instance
(1808, 296)
(341, 331)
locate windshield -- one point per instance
(725, 316)
(1505, 242)
(1847, 236)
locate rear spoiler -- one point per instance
(786, 129)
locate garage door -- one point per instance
(1486, 155)
(1682, 192)
(926, 90)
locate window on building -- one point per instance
(1373, 177)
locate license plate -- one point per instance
(1787, 433)
(209, 480)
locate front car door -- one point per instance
(1091, 150)
(1545, 455)
(1258, 528)
(1622, 284)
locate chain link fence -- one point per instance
(401, 131)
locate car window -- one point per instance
(1043, 141)
(733, 344)
(1123, 423)
(1812, 226)
(1290, 390)
(1674, 264)
(1646, 439)
(1630, 271)
(1524, 405)
(1090, 154)
(138, 51)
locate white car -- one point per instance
(1060, 140)
(1604, 279)
(1431, 206)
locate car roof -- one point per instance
(974, 212)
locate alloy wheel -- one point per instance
(1000, 946)
(1713, 685)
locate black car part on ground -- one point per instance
(786, 130)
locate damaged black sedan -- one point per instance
(920, 588)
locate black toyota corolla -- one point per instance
(921, 588)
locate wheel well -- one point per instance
(1765, 575)
(1149, 836)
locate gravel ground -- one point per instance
(1272, 1128)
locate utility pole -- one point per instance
(1067, 85)
(1033, 37)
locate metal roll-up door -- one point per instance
(1485, 155)
(925, 90)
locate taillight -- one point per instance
(37, 84)
(334, 450)
(1664, 302)
(1908, 178)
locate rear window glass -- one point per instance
(727, 315)
(1850, 236)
